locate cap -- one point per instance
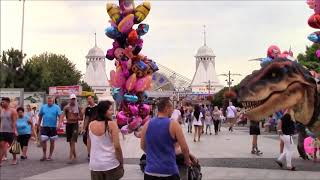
(73, 96)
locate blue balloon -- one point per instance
(314, 37)
(112, 32)
(130, 98)
(142, 29)
(265, 61)
(116, 94)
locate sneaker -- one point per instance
(292, 168)
(23, 157)
(253, 152)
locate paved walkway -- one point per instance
(226, 156)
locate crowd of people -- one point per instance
(162, 138)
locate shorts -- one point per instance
(173, 177)
(7, 137)
(48, 133)
(23, 140)
(112, 174)
(72, 132)
(254, 130)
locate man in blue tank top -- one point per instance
(158, 139)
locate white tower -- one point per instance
(205, 80)
(96, 76)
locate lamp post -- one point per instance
(229, 80)
(22, 26)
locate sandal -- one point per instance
(14, 162)
(49, 159)
(292, 168)
(43, 159)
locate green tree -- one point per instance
(49, 69)
(11, 66)
(219, 99)
(309, 59)
(85, 86)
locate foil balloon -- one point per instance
(113, 11)
(134, 109)
(265, 61)
(131, 82)
(120, 80)
(132, 37)
(318, 53)
(314, 21)
(116, 94)
(141, 12)
(308, 145)
(273, 51)
(112, 78)
(126, 6)
(126, 24)
(135, 123)
(144, 110)
(119, 53)
(125, 130)
(311, 4)
(314, 37)
(143, 83)
(142, 29)
(130, 98)
(122, 119)
(110, 52)
(317, 6)
(112, 32)
(138, 47)
(139, 68)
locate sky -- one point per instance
(236, 31)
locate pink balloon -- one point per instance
(122, 119)
(311, 3)
(112, 78)
(143, 83)
(145, 110)
(131, 82)
(308, 147)
(317, 6)
(273, 51)
(134, 109)
(318, 53)
(136, 122)
(119, 78)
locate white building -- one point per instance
(205, 80)
(96, 75)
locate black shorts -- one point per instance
(23, 140)
(48, 133)
(254, 130)
(173, 177)
(7, 137)
(72, 132)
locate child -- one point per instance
(208, 122)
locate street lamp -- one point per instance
(22, 26)
(229, 80)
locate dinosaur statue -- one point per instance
(282, 84)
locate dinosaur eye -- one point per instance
(274, 75)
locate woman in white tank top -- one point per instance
(106, 160)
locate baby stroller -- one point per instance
(186, 173)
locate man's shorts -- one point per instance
(72, 132)
(7, 137)
(48, 133)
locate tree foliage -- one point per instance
(309, 59)
(219, 99)
(49, 69)
(11, 66)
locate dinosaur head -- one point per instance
(282, 84)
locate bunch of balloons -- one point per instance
(274, 52)
(314, 22)
(134, 71)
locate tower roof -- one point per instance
(95, 52)
(205, 51)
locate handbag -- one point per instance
(15, 147)
(194, 172)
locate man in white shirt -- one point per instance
(231, 113)
(176, 115)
